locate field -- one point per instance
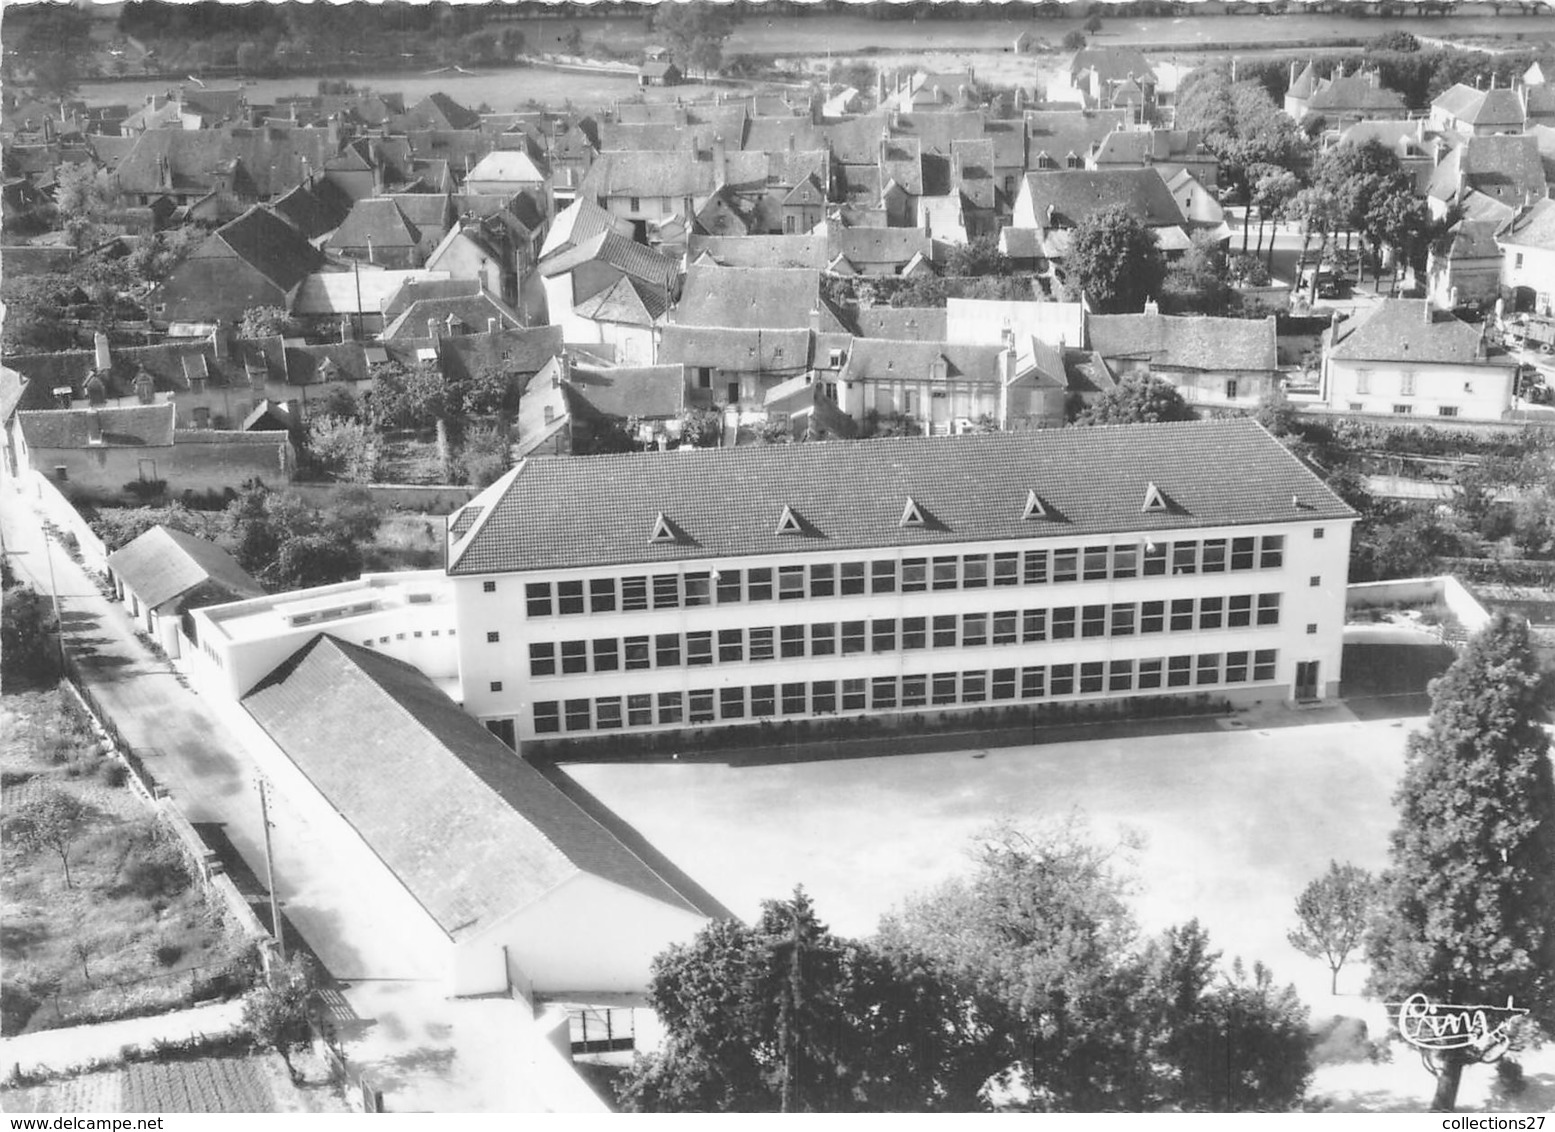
(131, 933)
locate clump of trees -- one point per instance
(1137, 400)
(1115, 260)
(276, 1011)
(28, 636)
(287, 543)
(694, 32)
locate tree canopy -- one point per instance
(1137, 400)
(1241, 125)
(1115, 260)
(694, 32)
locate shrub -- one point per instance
(111, 772)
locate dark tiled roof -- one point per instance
(473, 312)
(600, 510)
(1354, 92)
(1186, 343)
(642, 391)
(893, 246)
(766, 351)
(273, 158)
(881, 359)
(163, 564)
(134, 426)
(750, 297)
(1499, 106)
(439, 112)
(413, 290)
(269, 245)
(346, 361)
(627, 300)
(313, 212)
(1534, 228)
(923, 324)
(481, 835)
(761, 251)
(516, 351)
(1507, 167)
(376, 222)
(1074, 194)
(1407, 330)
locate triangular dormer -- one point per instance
(788, 523)
(1154, 500)
(662, 531)
(1035, 508)
(912, 514)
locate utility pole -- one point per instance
(275, 907)
(59, 624)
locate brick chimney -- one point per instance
(433, 326)
(720, 162)
(493, 325)
(345, 328)
(104, 359)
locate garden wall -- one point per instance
(433, 499)
(1421, 591)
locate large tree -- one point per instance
(1137, 400)
(1241, 126)
(1115, 260)
(694, 32)
(1331, 914)
(1467, 911)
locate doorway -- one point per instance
(1306, 680)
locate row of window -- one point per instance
(910, 575)
(888, 634)
(884, 693)
(1404, 410)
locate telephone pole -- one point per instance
(275, 906)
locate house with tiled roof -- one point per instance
(1417, 147)
(1468, 111)
(1527, 246)
(315, 209)
(939, 387)
(1169, 150)
(1298, 92)
(1108, 77)
(583, 266)
(503, 172)
(736, 366)
(628, 314)
(247, 164)
(1342, 100)
(436, 112)
(1468, 270)
(756, 298)
(165, 573)
(922, 324)
(1506, 168)
(452, 316)
(808, 250)
(568, 408)
(257, 260)
(1052, 204)
(1063, 139)
(658, 72)
(877, 251)
(1407, 359)
(377, 232)
(1224, 362)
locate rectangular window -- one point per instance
(1060, 680)
(1268, 609)
(537, 599)
(1363, 381)
(974, 629)
(1120, 676)
(1242, 553)
(1185, 557)
(1034, 625)
(602, 595)
(1093, 621)
(882, 576)
(730, 587)
(764, 701)
(580, 714)
(761, 643)
(1214, 556)
(731, 646)
(700, 705)
(547, 718)
(1230, 389)
(823, 639)
(1446, 410)
(790, 583)
(1125, 561)
(1033, 683)
(607, 713)
(823, 697)
(1239, 611)
(1095, 563)
(731, 703)
(1066, 565)
(759, 584)
(1406, 383)
(491, 638)
(1179, 671)
(489, 587)
(1005, 627)
(1211, 611)
(823, 580)
(974, 571)
(542, 659)
(945, 575)
(974, 687)
(914, 632)
(915, 691)
(945, 631)
(634, 594)
(853, 695)
(1063, 623)
(569, 597)
(1006, 568)
(794, 698)
(1003, 684)
(496, 685)
(1123, 619)
(914, 575)
(1150, 673)
(1272, 552)
(607, 654)
(1154, 559)
(575, 657)
(1317, 532)
(666, 649)
(852, 578)
(666, 591)
(792, 640)
(1209, 668)
(699, 648)
(1035, 570)
(698, 590)
(944, 688)
(1263, 664)
(636, 650)
(882, 692)
(852, 637)
(669, 707)
(1236, 668)
(883, 635)
(1093, 675)
(639, 711)
(1182, 615)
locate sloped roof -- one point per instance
(429, 212)
(1534, 228)
(739, 350)
(273, 158)
(506, 165)
(1112, 64)
(923, 324)
(312, 211)
(618, 251)
(557, 514)
(471, 311)
(878, 245)
(366, 292)
(1475, 239)
(1305, 83)
(882, 359)
(1181, 342)
(440, 112)
(375, 221)
(268, 244)
(411, 287)
(1354, 92)
(640, 391)
(517, 351)
(1407, 330)
(131, 426)
(1074, 194)
(751, 297)
(760, 251)
(1496, 106)
(1136, 147)
(483, 834)
(627, 300)
(163, 564)
(1505, 166)
(578, 223)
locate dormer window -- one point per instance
(662, 531)
(1155, 502)
(912, 514)
(1034, 509)
(788, 523)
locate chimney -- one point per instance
(219, 341)
(792, 144)
(370, 248)
(1292, 81)
(492, 326)
(815, 319)
(720, 162)
(432, 329)
(345, 328)
(1425, 312)
(104, 355)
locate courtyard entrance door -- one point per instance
(1306, 680)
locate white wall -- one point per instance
(1476, 392)
(1537, 271)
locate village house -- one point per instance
(165, 574)
(1468, 111)
(1488, 177)
(257, 260)
(1224, 362)
(1341, 100)
(568, 408)
(1527, 246)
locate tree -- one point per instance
(694, 32)
(484, 455)
(84, 193)
(1241, 126)
(50, 820)
(276, 1011)
(1199, 281)
(1137, 400)
(266, 322)
(27, 634)
(1092, 25)
(979, 256)
(701, 428)
(344, 447)
(1332, 914)
(286, 543)
(1467, 905)
(1115, 260)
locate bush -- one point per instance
(1074, 41)
(27, 635)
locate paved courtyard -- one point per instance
(1236, 823)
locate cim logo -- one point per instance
(1435, 1026)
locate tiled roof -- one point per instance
(600, 510)
(1498, 106)
(750, 297)
(269, 245)
(1186, 342)
(1074, 194)
(1354, 92)
(13, 387)
(923, 324)
(343, 361)
(766, 351)
(312, 211)
(481, 835)
(273, 158)
(881, 359)
(1112, 64)
(1135, 147)
(440, 112)
(1505, 166)
(1407, 330)
(627, 300)
(163, 564)
(133, 426)
(1475, 239)
(506, 165)
(878, 245)
(1086, 373)
(516, 351)
(412, 290)
(642, 391)
(1305, 83)
(578, 223)
(473, 312)
(1534, 228)
(760, 251)
(363, 292)
(376, 222)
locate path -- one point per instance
(78, 1046)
